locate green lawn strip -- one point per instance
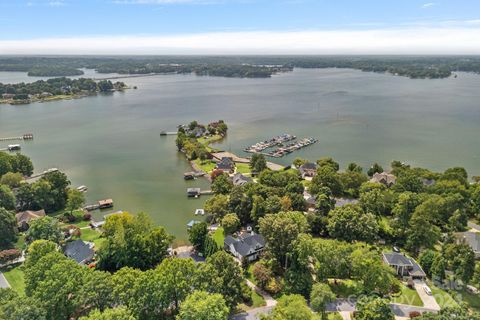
(408, 296)
(473, 300)
(15, 277)
(257, 300)
(249, 274)
(20, 244)
(444, 299)
(345, 288)
(243, 168)
(205, 165)
(218, 236)
(334, 316)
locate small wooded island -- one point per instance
(55, 89)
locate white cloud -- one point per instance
(454, 40)
(428, 5)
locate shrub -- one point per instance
(414, 314)
(9, 255)
(87, 216)
(262, 274)
(274, 286)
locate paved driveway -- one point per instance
(429, 301)
(253, 314)
(3, 281)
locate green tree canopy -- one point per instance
(8, 228)
(201, 305)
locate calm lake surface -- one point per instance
(111, 143)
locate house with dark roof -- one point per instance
(239, 179)
(248, 246)
(385, 178)
(311, 201)
(226, 165)
(470, 238)
(403, 265)
(308, 169)
(25, 217)
(79, 251)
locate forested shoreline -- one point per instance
(414, 67)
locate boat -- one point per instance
(199, 212)
(13, 147)
(82, 188)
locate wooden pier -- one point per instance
(168, 133)
(27, 136)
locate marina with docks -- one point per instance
(279, 142)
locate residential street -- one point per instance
(3, 281)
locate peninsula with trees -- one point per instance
(55, 89)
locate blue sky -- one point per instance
(29, 21)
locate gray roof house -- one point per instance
(226, 165)
(239, 179)
(385, 178)
(248, 246)
(403, 265)
(308, 169)
(79, 251)
(470, 238)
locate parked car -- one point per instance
(427, 290)
(396, 249)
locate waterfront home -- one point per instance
(403, 265)
(25, 217)
(79, 251)
(193, 192)
(470, 238)
(226, 165)
(239, 179)
(308, 169)
(107, 203)
(384, 178)
(8, 96)
(247, 246)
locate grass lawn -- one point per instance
(20, 244)
(89, 235)
(218, 236)
(207, 165)
(471, 299)
(249, 274)
(14, 276)
(243, 168)
(444, 299)
(257, 299)
(334, 316)
(210, 139)
(408, 296)
(345, 288)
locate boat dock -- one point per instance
(39, 175)
(27, 136)
(168, 133)
(275, 141)
(282, 150)
(102, 204)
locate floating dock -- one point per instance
(168, 133)
(27, 136)
(281, 150)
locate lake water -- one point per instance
(111, 143)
